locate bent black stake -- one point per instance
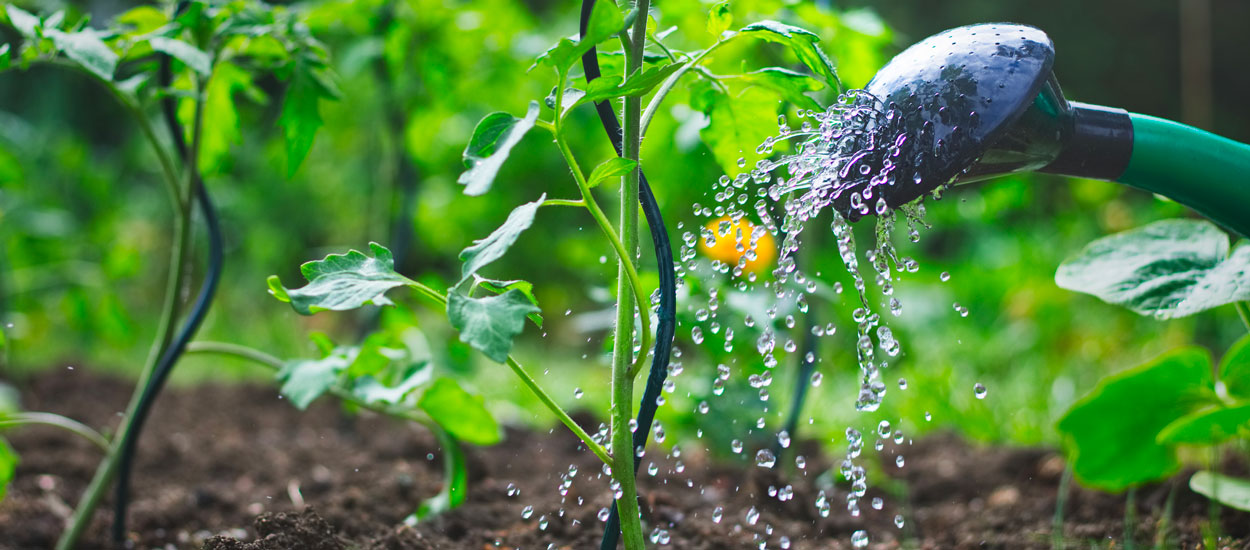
(196, 317)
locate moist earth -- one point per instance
(238, 468)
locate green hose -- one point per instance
(1206, 172)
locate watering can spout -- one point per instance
(983, 101)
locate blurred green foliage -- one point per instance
(84, 228)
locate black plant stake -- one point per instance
(668, 283)
(207, 290)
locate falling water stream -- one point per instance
(844, 161)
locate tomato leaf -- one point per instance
(1235, 369)
(1170, 268)
(614, 167)
(493, 247)
(26, 23)
(460, 413)
(304, 380)
(790, 85)
(301, 115)
(408, 379)
(605, 22)
(1208, 426)
(493, 138)
(526, 288)
(1229, 491)
(489, 324)
(193, 57)
(342, 281)
(800, 41)
(738, 125)
(86, 49)
(1111, 432)
(719, 18)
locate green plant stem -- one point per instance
(107, 469)
(623, 341)
(1130, 519)
(1061, 501)
(49, 419)
(273, 363)
(1243, 310)
(622, 254)
(564, 202)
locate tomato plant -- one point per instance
(490, 313)
(185, 61)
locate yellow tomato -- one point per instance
(736, 243)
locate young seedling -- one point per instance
(214, 50)
(1167, 269)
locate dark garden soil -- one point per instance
(236, 468)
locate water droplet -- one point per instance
(527, 512)
(979, 390)
(752, 516)
(577, 393)
(859, 539)
(765, 458)
(717, 514)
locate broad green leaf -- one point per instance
(790, 85)
(493, 247)
(1207, 427)
(1235, 369)
(800, 41)
(526, 287)
(493, 138)
(455, 482)
(605, 22)
(1229, 491)
(6, 58)
(489, 324)
(560, 56)
(304, 380)
(220, 133)
(738, 125)
(1170, 268)
(1110, 433)
(86, 49)
(8, 466)
(719, 18)
(144, 19)
(640, 84)
(572, 98)
(26, 23)
(301, 115)
(460, 413)
(614, 167)
(193, 57)
(342, 281)
(411, 377)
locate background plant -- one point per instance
(1171, 268)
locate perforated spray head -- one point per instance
(979, 101)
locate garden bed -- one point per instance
(237, 468)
